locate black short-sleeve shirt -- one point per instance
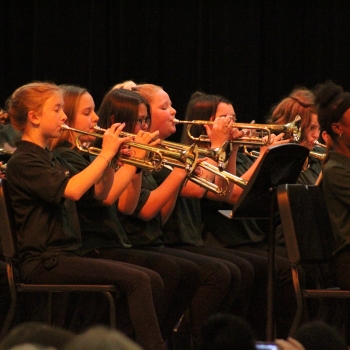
(100, 224)
(140, 232)
(46, 223)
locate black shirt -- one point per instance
(46, 223)
(100, 224)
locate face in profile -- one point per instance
(143, 119)
(163, 114)
(312, 133)
(86, 119)
(224, 109)
(52, 116)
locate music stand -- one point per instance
(280, 165)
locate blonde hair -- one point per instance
(29, 97)
(127, 85)
(147, 91)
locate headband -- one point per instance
(342, 107)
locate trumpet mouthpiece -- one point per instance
(316, 143)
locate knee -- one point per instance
(157, 284)
(216, 273)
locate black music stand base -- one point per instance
(280, 165)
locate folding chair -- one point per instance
(8, 240)
(309, 241)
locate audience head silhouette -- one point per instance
(102, 338)
(36, 333)
(226, 332)
(320, 336)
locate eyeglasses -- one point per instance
(233, 117)
(144, 121)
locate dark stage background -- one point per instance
(253, 52)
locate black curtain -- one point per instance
(252, 52)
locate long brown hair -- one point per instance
(71, 96)
(301, 101)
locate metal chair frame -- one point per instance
(309, 241)
(8, 241)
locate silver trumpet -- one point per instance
(292, 130)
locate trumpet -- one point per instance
(317, 143)
(291, 129)
(312, 154)
(218, 154)
(252, 153)
(318, 155)
(154, 159)
(185, 157)
(171, 148)
(224, 175)
(227, 176)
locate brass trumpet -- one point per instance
(184, 157)
(318, 155)
(228, 176)
(291, 129)
(320, 144)
(312, 154)
(218, 154)
(168, 148)
(154, 159)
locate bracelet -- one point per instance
(138, 170)
(108, 162)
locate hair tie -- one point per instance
(301, 103)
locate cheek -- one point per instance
(137, 128)
(82, 123)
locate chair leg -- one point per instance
(299, 300)
(189, 342)
(10, 316)
(112, 320)
(50, 308)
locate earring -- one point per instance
(340, 135)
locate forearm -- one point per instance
(169, 207)
(130, 196)
(122, 178)
(104, 184)
(159, 197)
(237, 190)
(81, 182)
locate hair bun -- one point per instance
(327, 93)
(4, 117)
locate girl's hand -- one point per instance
(145, 138)
(274, 141)
(235, 134)
(112, 141)
(220, 131)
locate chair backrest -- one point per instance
(306, 225)
(7, 231)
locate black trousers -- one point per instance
(284, 295)
(253, 270)
(180, 278)
(4, 293)
(142, 289)
(219, 285)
